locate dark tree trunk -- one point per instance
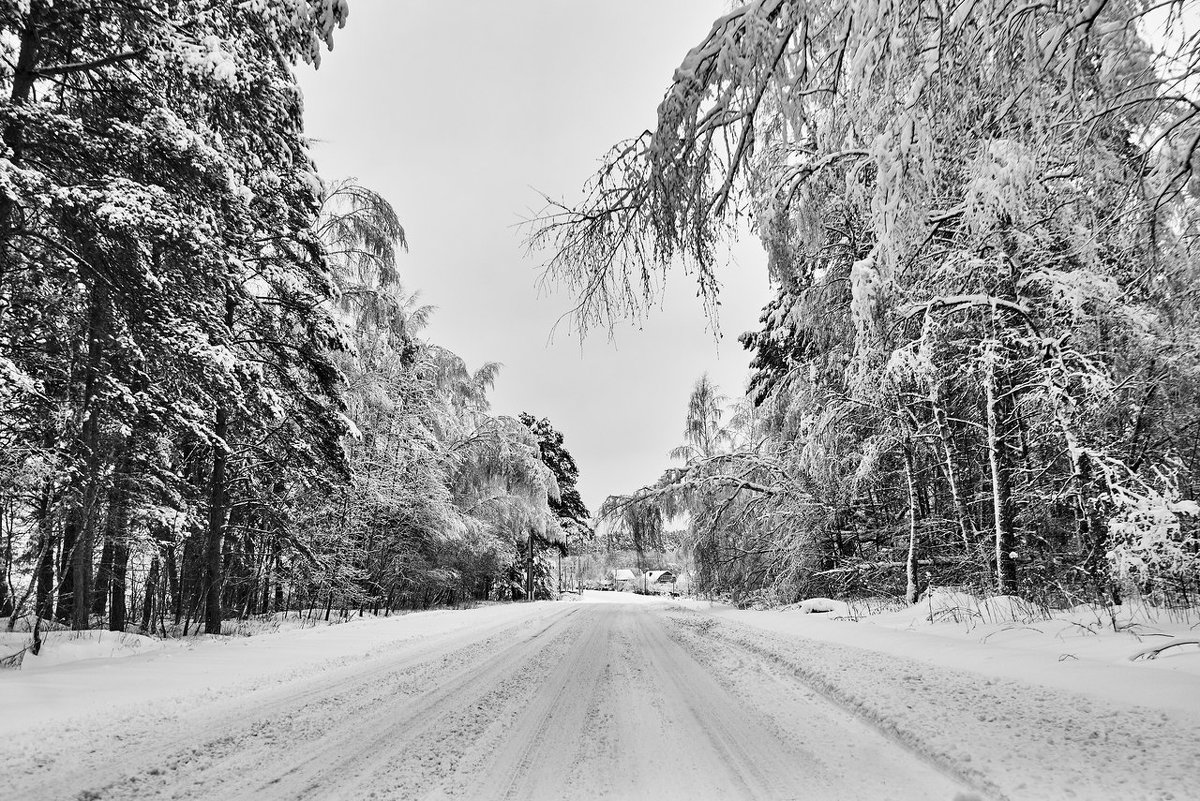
(529, 572)
(265, 606)
(64, 610)
(912, 590)
(117, 536)
(81, 569)
(23, 77)
(147, 624)
(6, 600)
(946, 440)
(218, 510)
(215, 536)
(82, 515)
(272, 589)
(43, 568)
(120, 566)
(192, 573)
(103, 574)
(174, 585)
(44, 599)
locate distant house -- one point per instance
(626, 580)
(660, 581)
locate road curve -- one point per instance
(571, 701)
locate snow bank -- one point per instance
(1085, 649)
(59, 648)
(1008, 732)
(820, 606)
(81, 677)
(618, 597)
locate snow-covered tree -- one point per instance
(161, 283)
(981, 218)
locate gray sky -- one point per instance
(459, 114)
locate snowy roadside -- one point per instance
(101, 674)
(1010, 739)
(1075, 651)
(1014, 721)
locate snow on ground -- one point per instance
(77, 646)
(993, 695)
(88, 673)
(616, 597)
(535, 701)
(1026, 707)
(1076, 650)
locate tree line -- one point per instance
(210, 374)
(980, 365)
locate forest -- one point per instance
(980, 366)
(216, 398)
(979, 370)
(269, 530)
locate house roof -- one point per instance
(655, 576)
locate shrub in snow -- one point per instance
(1153, 533)
(823, 605)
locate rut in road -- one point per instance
(583, 701)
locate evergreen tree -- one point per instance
(573, 516)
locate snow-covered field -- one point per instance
(616, 696)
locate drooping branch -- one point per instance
(88, 66)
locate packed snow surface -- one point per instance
(616, 697)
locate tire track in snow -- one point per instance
(754, 767)
(280, 722)
(1006, 738)
(416, 749)
(705, 635)
(567, 702)
(557, 713)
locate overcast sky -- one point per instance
(459, 114)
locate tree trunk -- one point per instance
(948, 453)
(6, 596)
(64, 610)
(218, 509)
(268, 573)
(43, 574)
(23, 76)
(81, 570)
(1090, 532)
(147, 624)
(529, 574)
(215, 536)
(116, 537)
(910, 565)
(120, 567)
(104, 573)
(174, 583)
(998, 452)
(44, 567)
(85, 497)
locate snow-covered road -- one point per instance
(616, 697)
(529, 702)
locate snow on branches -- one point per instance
(982, 221)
